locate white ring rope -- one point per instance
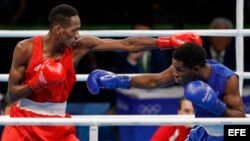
(83, 77)
(127, 33)
(122, 120)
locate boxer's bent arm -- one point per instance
(16, 89)
(233, 99)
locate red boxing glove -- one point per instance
(178, 39)
(50, 73)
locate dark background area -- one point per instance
(179, 14)
(126, 11)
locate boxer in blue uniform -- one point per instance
(212, 88)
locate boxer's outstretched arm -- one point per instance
(153, 80)
(98, 79)
(135, 44)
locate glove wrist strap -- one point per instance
(164, 42)
(124, 82)
(219, 108)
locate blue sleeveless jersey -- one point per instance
(217, 82)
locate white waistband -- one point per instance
(46, 108)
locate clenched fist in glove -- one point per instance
(50, 73)
(203, 95)
(178, 39)
(107, 80)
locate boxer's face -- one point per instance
(69, 34)
(182, 74)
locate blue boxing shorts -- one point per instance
(206, 133)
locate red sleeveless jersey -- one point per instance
(56, 94)
(60, 92)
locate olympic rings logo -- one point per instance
(122, 105)
(149, 109)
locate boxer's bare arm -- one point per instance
(21, 56)
(108, 80)
(131, 44)
(154, 80)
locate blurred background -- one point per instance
(119, 14)
(113, 14)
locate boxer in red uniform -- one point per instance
(42, 73)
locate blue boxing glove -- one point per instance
(203, 95)
(107, 80)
